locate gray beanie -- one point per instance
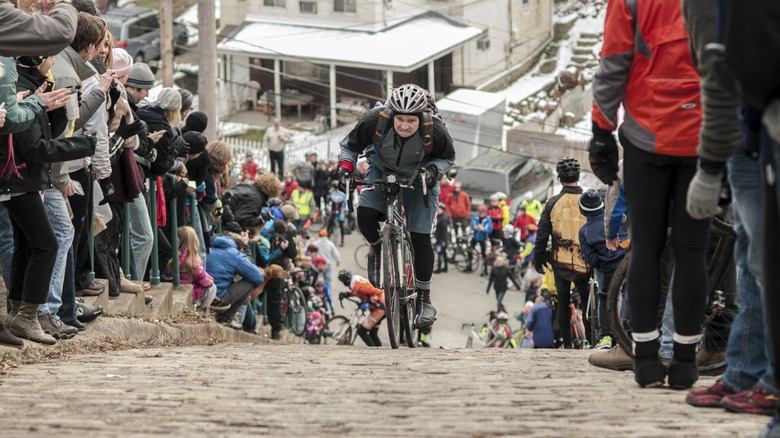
(169, 99)
(140, 76)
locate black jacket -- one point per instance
(560, 222)
(442, 233)
(246, 203)
(169, 146)
(34, 149)
(292, 249)
(498, 277)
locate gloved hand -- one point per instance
(345, 172)
(127, 131)
(364, 306)
(704, 195)
(343, 295)
(430, 176)
(487, 292)
(107, 188)
(603, 154)
(539, 267)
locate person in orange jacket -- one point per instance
(459, 206)
(373, 299)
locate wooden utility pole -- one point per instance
(166, 42)
(207, 65)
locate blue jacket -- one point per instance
(226, 261)
(593, 244)
(540, 322)
(486, 222)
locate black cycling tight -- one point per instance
(368, 223)
(656, 189)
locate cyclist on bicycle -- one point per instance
(375, 297)
(400, 150)
(561, 221)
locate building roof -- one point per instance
(471, 102)
(403, 47)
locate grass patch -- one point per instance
(254, 135)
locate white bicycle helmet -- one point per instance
(408, 99)
(501, 196)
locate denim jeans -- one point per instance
(667, 328)
(141, 238)
(57, 210)
(6, 246)
(748, 355)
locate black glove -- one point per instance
(114, 94)
(107, 188)
(127, 131)
(603, 155)
(539, 267)
(431, 172)
(143, 129)
(344, 175)
(343, 295)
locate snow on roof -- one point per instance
(402, 48)
(468, 101)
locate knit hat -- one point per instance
(590, 201)
(324, 233)
(123, 62)
(290, 212)
(319, 261)
(186, 99)
(196, 121)
(169, 99)
(196, 141)
(30, 61)
(140, 76)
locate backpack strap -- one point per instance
(382, 124)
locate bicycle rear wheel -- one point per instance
(392, 282)
(409, 309)
(297, 313)
(578, 336)
(336, 331)
(361, 256)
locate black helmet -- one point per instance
(408, 99)
(274, 202)
(345, 277)
(568, 170)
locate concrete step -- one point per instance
(162, 301)
(126, 304)
(580, 59)
(181, 299)
(99, 300)
(583, 51)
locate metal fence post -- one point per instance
(154, 277)
(175, 236)
(126, 241)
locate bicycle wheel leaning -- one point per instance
(391, 282)
(336, 331)
(297, 313)
(410, 301)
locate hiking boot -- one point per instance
(755, 400)
(87, 313)
(613, 359)
(94, 288)
(7, 338)
(771, 430)
(235, 323)
(711, 363)
(75, 324)
(710, 397)
(128, 286)
(50, 328)
(25, 325)
(604, 343)
(12, 313)
(66, 330)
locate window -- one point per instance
(144, 25)
(344, 5)
(308, 7)
(483, 44)
(274, 3)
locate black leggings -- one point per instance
(564, 298)
(368, 223)
(35, 248)
(656, 189)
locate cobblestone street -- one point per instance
(305, 390)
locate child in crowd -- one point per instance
(539, 323)
(498, 277)
(191, 269)
(316, 321)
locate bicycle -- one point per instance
(722, 240)
(489, 337)
(397, 258)
(340, 330)
(294, 311)
(361, 255)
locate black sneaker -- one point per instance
(87, 313)
(76, 323)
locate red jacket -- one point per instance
(646, 65)
(458, 207)
(445, 191)
(522, 222)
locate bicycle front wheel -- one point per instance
(392, 281)
(297, 314)
(619, 321)
(336, 331)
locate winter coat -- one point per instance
(487, 224)
(288, 253)
(498, 277)
(96, 125)
(442, 233)
(561, 221)
(646, 65)
(540, 322)
(226, 262)
(594, 246)
(522, 222)
(200, 281)
(246, 203)
(36, 34)
(169, 146)
(31, 137)
(458, 204)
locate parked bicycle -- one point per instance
(294, 311)
(491, 335)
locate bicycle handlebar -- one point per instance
(400, 181)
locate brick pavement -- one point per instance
(304, 390)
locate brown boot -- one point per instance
(54, 328)
(25, 325)
(12, 313)
(711, 363)
(613, 359)
(7, 337)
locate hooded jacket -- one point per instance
(169, 146)
(226, 262)
(593, 243)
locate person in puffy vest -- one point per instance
(401, 150)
